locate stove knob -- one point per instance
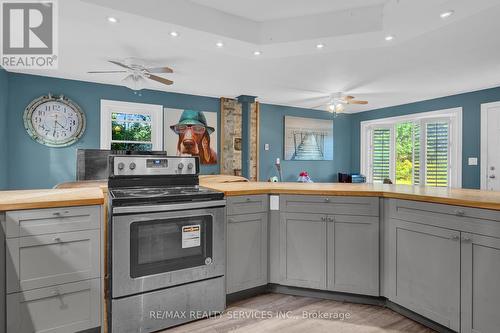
(180, 166)
(190, 166)
(132, 166)
(121, 166)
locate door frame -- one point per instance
(484, 142)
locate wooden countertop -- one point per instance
(50, 198)
(458, 197)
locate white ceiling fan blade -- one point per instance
(120, 64)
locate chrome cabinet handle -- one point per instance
(492, 176)
(460, 212)
(331, 219)
(57, 239)
(60, 213)
(323, 218)
(455, 238)
(327, 199)
(467, 239)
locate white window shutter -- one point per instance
(437, 153)
(381, 154)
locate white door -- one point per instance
(490, 141)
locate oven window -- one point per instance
(166, 245)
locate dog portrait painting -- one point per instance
(191, 133)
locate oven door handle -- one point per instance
(168, 207)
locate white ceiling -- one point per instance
(429, 57)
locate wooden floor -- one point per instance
(300, 315)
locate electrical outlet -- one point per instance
(266, 146)
(472, 160)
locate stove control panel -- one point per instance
(147, 165)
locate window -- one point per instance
(419, 149)
(131, 126)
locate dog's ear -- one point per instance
(205, 147)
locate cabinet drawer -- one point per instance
(47, 260)
(475, 220)
(330, 205)
(247, 204)
(47, 221)
(65, 308)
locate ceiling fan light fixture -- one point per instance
(134, 82)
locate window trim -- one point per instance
(455, 117)
(153, 110)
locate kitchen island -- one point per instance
(432, 254)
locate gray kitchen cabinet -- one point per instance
(246, 251)
(303, 250)
(426, 271)
(353, 254)
(247, 204)
(339, 205)
(480, 284)
(47, 260)
(71, 307)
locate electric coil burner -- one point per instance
(166, 244)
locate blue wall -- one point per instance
(271, 132)
(3, 128)
(471, 140)
(32, 165)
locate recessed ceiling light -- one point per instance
(320, 46)
(112, 19)
(257, 53)
(447, 14)
(389, 38)
(219, 44)
(174, 34)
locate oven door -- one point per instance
(157, 250)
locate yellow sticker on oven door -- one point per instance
(191, 236)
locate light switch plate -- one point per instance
(472, 160)
(266, 146)
(274, 202)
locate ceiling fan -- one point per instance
(337, 102)
(137, 73)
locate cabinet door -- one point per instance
(426, 263)
(303, 250)
(47, 260)
(246, 251)
(353, 254)
(71, 307)
(480, 284)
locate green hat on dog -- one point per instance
(190, 117)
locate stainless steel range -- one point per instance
(166, 244)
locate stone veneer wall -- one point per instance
(231, 121)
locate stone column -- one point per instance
(246, 102)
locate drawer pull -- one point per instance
(467, 239)
(61, 213)
(327, 199)
(454, 238)
(57, 239)
(55, 292)
(460, 212)
(248, 200)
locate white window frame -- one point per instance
(453, 115)
(152, 110)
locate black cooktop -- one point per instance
(157, 195)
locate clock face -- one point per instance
(54, 122)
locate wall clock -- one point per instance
(54, 121)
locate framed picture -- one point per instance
(191, 133)
(308, 139)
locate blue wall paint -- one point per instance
(471, 140)
(32, 165)
(3, 127)
(271, 132)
